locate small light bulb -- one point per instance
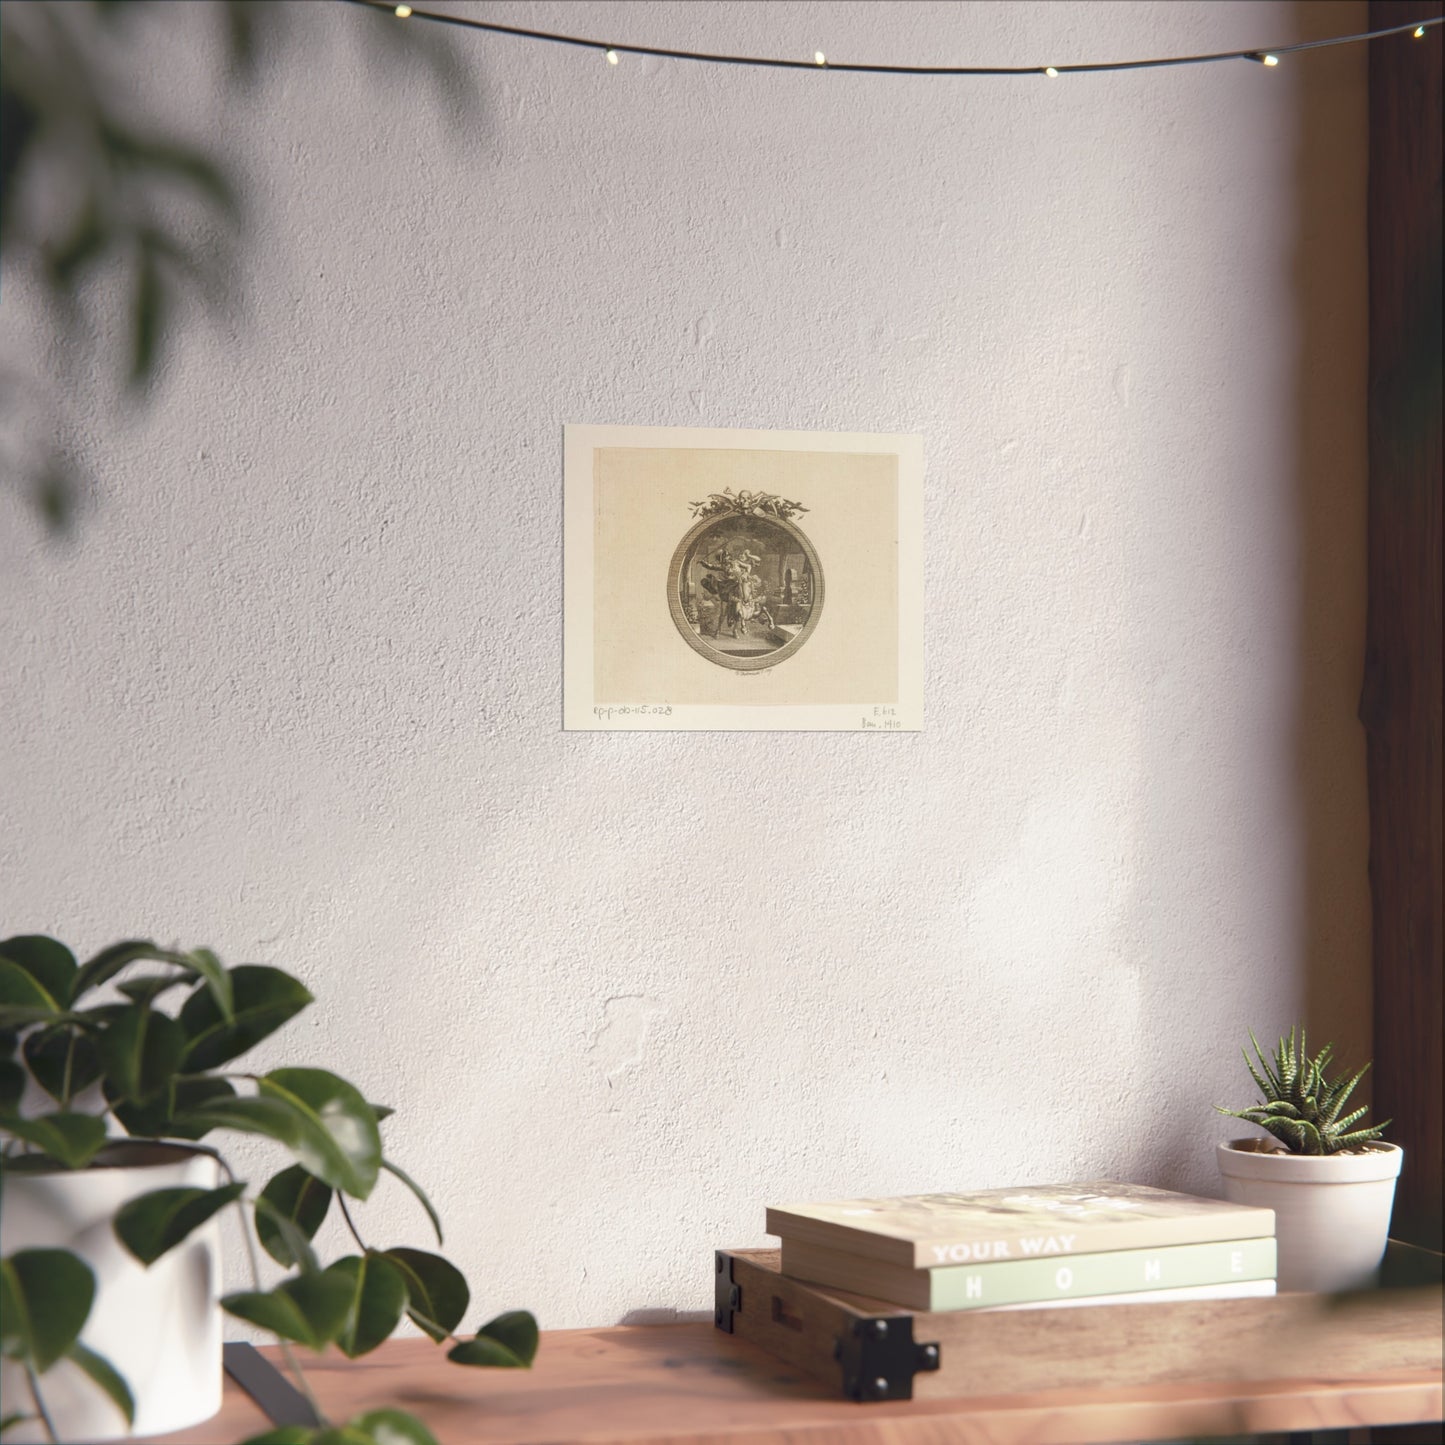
(819, 58)
(1051, 72)
(1419, 32)
(402, 11)
(1271, 60)
(612, 57)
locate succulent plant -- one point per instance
(1301, 1107)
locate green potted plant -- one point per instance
(112, 1085)
(1331, 1185)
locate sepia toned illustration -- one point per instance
(726, 578)
(745, 586)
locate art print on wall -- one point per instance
(742, 579)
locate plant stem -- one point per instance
(69, 1065)
(39, 1403)
(291, 1361)
(346, 1215)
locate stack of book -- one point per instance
(1031, 1247)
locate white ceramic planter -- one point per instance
(160, 1327)
(1331, 1212)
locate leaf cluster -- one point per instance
(163, 1075)
(1300, 1105)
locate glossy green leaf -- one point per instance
(269, 1117)
(392, 1427)
(210, 968)
(289, 1236)
(12, 1086)
(188, 1094)
(104, 1374)
(141, 1121)
(109, 962)
(63, 1060)
(382, 1111)
(46, 1298)
(151, 1224)
(162, 1117)
(10, 1041)
(19, 1016)
(50, 964)
(275, 1311)
(310, 1310)
(97, 1018)
(416, 1189)
(507, 1342)
(340, 1143)
(341, 1435)
(486, 1353)
(279, 1116)
(14, 1325)
(263, 999)
(141, 1051)
(152, 986)
(283, 1435)
(73, 1139)
(378, 1296)
(299, 1197)
(437, 1293)
(517, 1330)
(23, 999)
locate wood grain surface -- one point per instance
(695, 1385)
(1274, 1340)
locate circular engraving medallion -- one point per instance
(745, 589)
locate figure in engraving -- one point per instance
(746, 581)
(738, 590)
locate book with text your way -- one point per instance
(1032, 1222)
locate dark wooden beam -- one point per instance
(1401, 699)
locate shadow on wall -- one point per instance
(91, 187)
(1323, 902)
(1331, 304)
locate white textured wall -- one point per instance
(293, 690)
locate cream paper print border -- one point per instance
(627, 495)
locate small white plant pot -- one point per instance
(160, 1327)
(1331, 1211)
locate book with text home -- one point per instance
(1245, 1289)
(924, 1231)
(1032, 1281)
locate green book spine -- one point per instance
(1027, 1281)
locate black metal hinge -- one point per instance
(280, 1401)
(727, 1296)
(880, 1358)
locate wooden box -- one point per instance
(871, 1350)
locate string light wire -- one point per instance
(1268, 55)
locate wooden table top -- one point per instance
(692, 1384)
